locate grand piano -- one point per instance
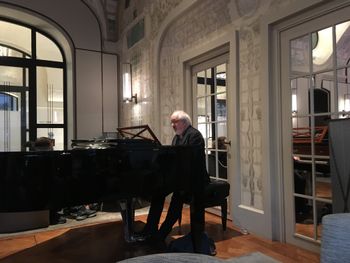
(124, 170)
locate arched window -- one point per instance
(32, 87)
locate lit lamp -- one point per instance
(347, 102)
(294, 101)
(128, 96)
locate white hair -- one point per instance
(181, 115)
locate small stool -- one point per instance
(216, 193)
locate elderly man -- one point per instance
(185, 134)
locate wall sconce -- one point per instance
(128, 96)
(294, 101)
(347, 102)
(347, 94)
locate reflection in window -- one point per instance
(10, 52)
(324, 47)
(342, 32)
(221, 108)
(16, 36)
(211, 117)
(299, 55)
(317, 95)
(47, 49)
(49, 95)
(8, 102)
(13, 76)
(221, 75)
(56, 134)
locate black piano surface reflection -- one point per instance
(130, 168)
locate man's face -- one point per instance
(178, 125)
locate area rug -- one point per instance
(102, 243)
(110, 214)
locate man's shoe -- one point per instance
(78, 212)
(95, 206)
(141, 237)
(80, 215)
(61, 220)
(90, 213)
(56, 218)
(74, 211)
(144, 235)
(83, 213)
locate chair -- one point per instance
(216, 193)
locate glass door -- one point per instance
(13, 110)
(210, 93)
(209, 82)
(212, 117)
(315, 85)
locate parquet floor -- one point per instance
(104, 242)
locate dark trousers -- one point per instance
(174, 212)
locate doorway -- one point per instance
(315, 59)
(209, 87)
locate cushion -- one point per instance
(174, 257)
(216, 190)
(335, 246)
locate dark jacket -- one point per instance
(192, 136)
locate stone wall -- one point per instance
(203, 23)
(142, 112)
(139, 56)
(207, 20)
(250, 116)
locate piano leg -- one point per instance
(197, 224)
(127, 212)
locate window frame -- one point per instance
(32, 64)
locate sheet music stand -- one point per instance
(140, 133)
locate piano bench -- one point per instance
(216, 193)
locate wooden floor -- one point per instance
(104, 243)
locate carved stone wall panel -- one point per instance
(201, 24)
(250, 114)
(246, 7)
(158, 10)
(171, 91)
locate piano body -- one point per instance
(302, 141)
(121, 169)
(311, 157)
